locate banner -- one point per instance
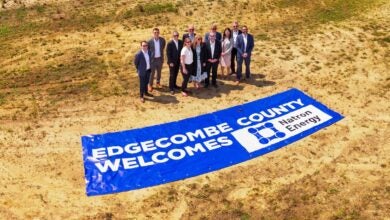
(138, 158)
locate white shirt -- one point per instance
(147, 58)
(177, 45)
(188, 55)
(244, 37)
(212, 46)
(157, 53)
(235, 34)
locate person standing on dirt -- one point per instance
(142, 64)
(235, 32)
(244, 45)
(174, 47)
(156, 47)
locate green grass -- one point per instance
(339, 10)
(150, 9)
(62, 73)
(4, 31)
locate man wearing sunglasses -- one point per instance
(174, 47)
(142, 64)
(213, 29)
(235, 32)
(156, 47)
(214, 50)
(191, 33)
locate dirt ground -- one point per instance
(65, 72)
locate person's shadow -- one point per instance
(257, 79)
(164, 98)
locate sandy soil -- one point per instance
(67, 81)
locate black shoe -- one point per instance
(215, 85)
(172, 92)
(148, 94)
(206, 85)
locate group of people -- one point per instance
(198, 58)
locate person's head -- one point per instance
(235, 25)
(156, 32)
(191, 28)
(144, 45)
(244, 29)
(197, 41)
(212, 37)
(187, 42)
(213, 28)
(175, 35)
(227, 33)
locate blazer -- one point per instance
(217, 50)
(240, 45)
(151, 48)
(188, 35)
(173, 54)
(140, 62)
(203, 58)
(218, 36)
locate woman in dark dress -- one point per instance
(199, 51)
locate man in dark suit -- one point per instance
(191, 33)
(142, 64)
(245, 44)
(214, 50)
(156, 47)
(235, 32)
(174, 47)
(213, 29)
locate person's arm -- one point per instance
(238, 45)
(169, 55)
(182, 61)
(230, 47)
(136, 60)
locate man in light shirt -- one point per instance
(174, 47)
(213, 51)
(142, 64)
(244, 46)
(235, 32)
(156, 47)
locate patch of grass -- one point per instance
(262, 37)
(4, 31)
(289, 3)
(150, 9)
(2, 99)
(61, 73)
(339, 10)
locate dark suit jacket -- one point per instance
(140, 62)
(203, 58)
(173, 54)
(240, 45)
(187, 35)
(217, 50)
(151, 48)
(218, 36)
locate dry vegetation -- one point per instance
(65, 72)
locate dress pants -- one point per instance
(233, 60)
(143, 82)
(186, 77)
(212, 69)
(247, 61)
(156, 66)
(173, 71)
